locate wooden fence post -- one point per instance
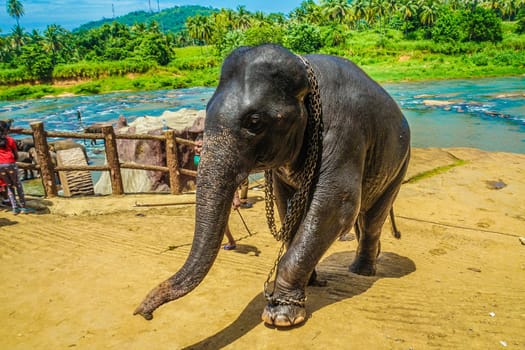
(112, 158)
(172, 162)
(47, 169)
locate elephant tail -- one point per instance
(395, 232)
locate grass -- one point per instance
(436, 171)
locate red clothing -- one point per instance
(7, 154)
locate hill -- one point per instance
(170, 20)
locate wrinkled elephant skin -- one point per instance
(256, 120)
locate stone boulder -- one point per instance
(187, 124)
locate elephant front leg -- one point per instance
(287, 304)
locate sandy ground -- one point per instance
(72, 274)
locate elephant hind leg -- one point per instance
(315, 282)
(368, 228)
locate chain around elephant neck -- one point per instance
(296, 206)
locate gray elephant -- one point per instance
(335, 148)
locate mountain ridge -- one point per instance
(171, 19)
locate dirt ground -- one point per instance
(72, 274)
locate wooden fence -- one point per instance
(47, 168)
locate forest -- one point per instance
(184, 46)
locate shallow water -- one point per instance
(488, 114)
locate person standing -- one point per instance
(9, 171)
(244, 194)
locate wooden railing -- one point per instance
(47, 168)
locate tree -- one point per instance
(55, 41)
(229, 42)
(17, 37)
(336, 10)
(36, 61)
(483, 25)
(429, 12)
(15, 9)
(520, 29)
(263, 34)
(242, 18)
(448, 27)
(154, 47)
(307, 12)
(303, 38)
(407, 9)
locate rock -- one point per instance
(437, 103)
(186, 123)
(496, 185)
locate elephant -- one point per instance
(335, 148)
(25, 144)
(27, 158)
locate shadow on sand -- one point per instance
(342, 285)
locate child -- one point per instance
(9, 170)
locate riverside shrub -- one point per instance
(303, 38)
(483, 25)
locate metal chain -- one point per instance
(297, 204)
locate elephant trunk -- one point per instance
(216, 182)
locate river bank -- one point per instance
(407, 68)
(73, 273)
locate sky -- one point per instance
(70, 14)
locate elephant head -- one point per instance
(255, 120)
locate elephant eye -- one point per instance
(254, 123)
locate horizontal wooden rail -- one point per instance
(82, 168)
(95, 136)
(47, 168)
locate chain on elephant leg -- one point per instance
(284, 312)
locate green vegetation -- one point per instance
(436, 171)
(391, 40)
(170, 20)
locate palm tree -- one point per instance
(200, 27)
(243, 18)
(407, 9)
(378, 10)
(53, 44)
(18, 37)
(359, 8)
(15, 9)
(336, 10)
(429, 11)
(207, 28)
(510, 8)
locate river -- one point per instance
(488, 114)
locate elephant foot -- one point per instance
(363, 268)
(283, 315)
